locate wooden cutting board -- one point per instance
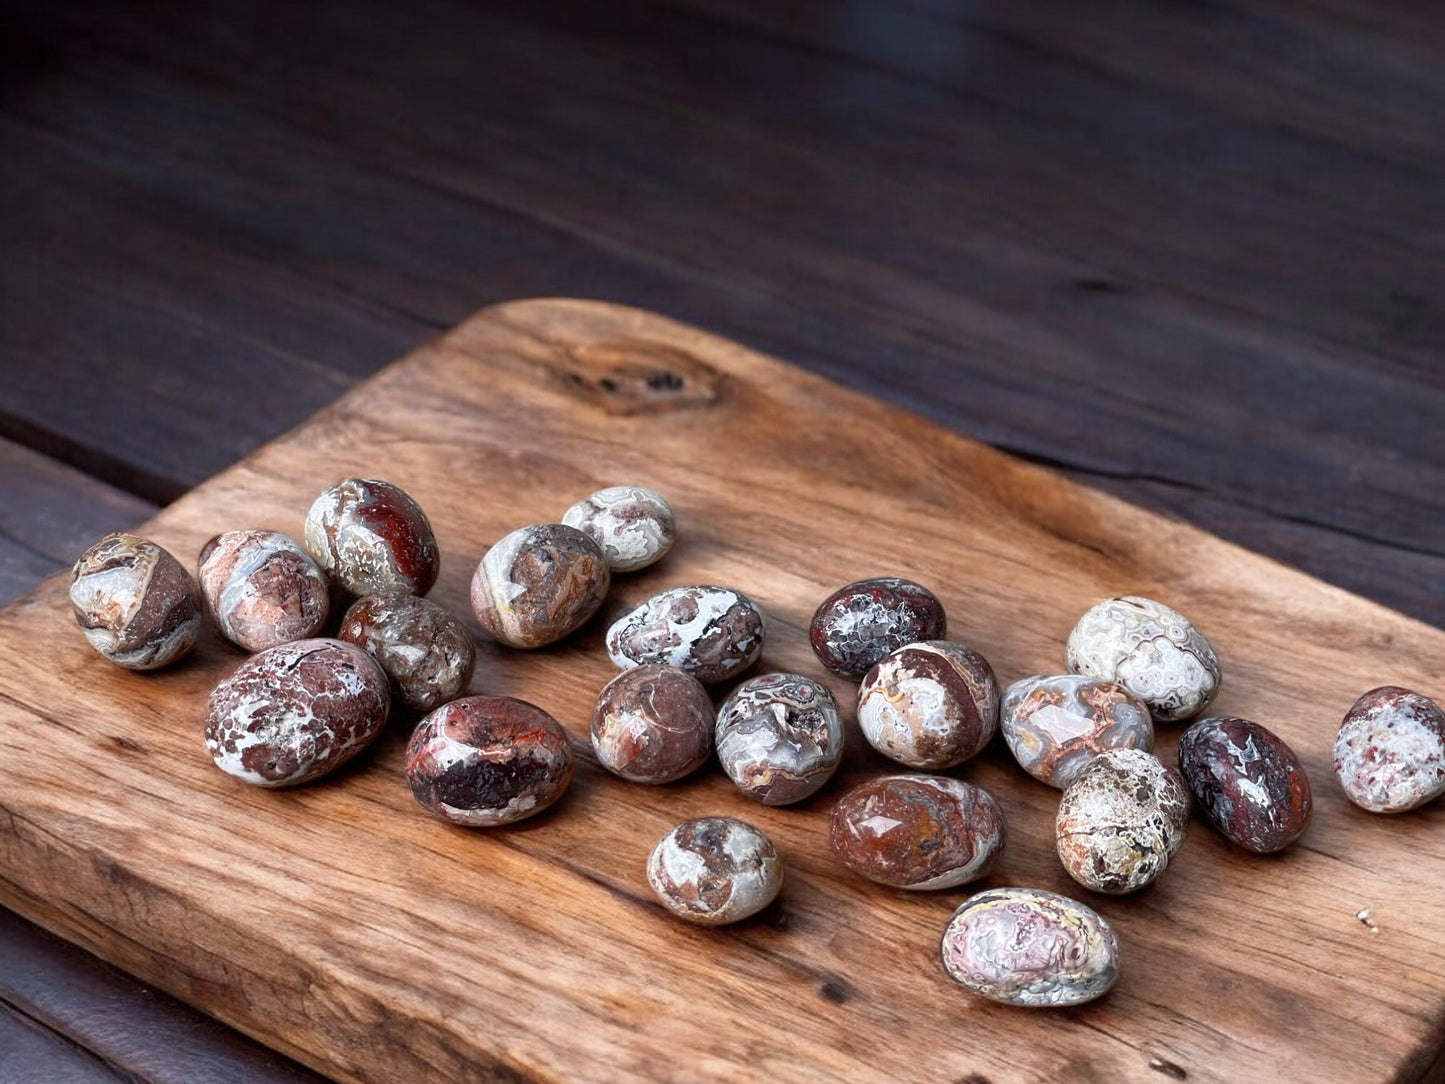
(341, 924)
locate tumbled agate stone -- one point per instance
(1055, 724)
(1152, 650)
(1025, 946)
(714, 870)
(1121, 821)
(779, 737)
(1390, 750)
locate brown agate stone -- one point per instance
(917, 831)
(482, 761)
(373, 538)
(1248, 782)
(929, 705)
(538, 584)
(263, 589)
(779, 737)
(135, 603)
(295, 712)
(653, 724)
(424, 649)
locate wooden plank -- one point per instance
(49, 513)
(345, 927)
(65, 1017)
(31, 1055)
(77, 1004)
(1067, 248)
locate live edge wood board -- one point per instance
(341, 924)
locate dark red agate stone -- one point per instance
(859, 625)
(487, 760)
(1249, 783)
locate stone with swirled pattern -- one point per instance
(653, 724)
(484, 761)
(135, 602)
(1054, 724)
(714, 870)
(539, 584)
(373, 538)
(1025, 946)
(1152, 650)
(779, 737)
(929, 705)
(917, 831)
(634, 526)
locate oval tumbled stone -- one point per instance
(1248, 782)
(1025, 946)
(1121, 821)
(714, 633)
(1390, 750)
(917, 831)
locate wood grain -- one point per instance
(348, 929)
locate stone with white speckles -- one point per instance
(484, 761)
(296, 712)
(714, 633)
(861, 623)
(1152, 650)
(1028, 947)
(539, 584)
(634, 526)
(714, 870)
(1248, 782)
(779, 737)
(1121, 821)
(917, 831)
(135, 602)
(263, 589)
(1390, 750)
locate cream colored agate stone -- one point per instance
(1025, 946)
(1121, 821)
(1152, 650)
(634, 526)
(715, 870)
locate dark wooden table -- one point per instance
(1192, 253)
